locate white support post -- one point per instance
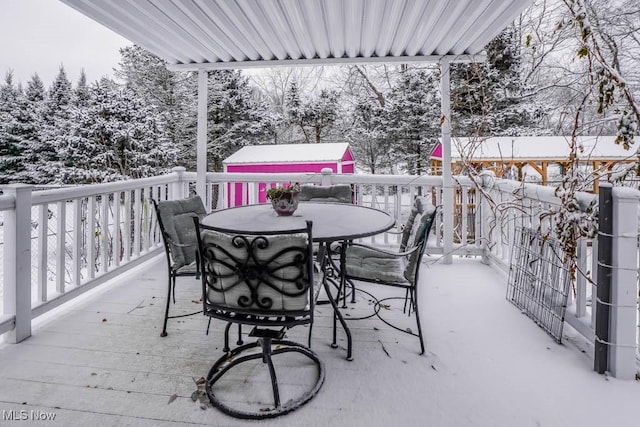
(326, 177)
(91, 237)
(201, 162)
(115, 235)
(17, 262)
(447, 180)
(127, 225)
(43, 251)
(61, 245)
(104, 233)
(176, 190)
(581, 280)
(624, 290)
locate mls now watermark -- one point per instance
(24, 415)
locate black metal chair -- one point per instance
(398, 269)
(266, 281)
(338, 193)
(180, 243)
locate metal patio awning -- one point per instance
(212, 34)
(197, 34)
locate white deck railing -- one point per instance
(521, 205)
(59, 243)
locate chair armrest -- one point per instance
(385, 252)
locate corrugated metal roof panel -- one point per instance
(191, 34)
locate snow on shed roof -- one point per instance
(535, 148)
(288, 153)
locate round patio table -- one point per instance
(331, 222)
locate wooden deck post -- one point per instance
(17, 262)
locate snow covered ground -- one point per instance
(101, 362)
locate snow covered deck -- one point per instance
(102, 362)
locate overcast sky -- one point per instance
(39, 35)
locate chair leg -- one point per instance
(353, 290)
(414, 298)
(337, 316)
(171, 286)
(265, 343)
(413, 302)
(239, 342)
(406, 299)
(226, 348)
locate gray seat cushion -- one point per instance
(422, 225)
(177, 219)
(421, 205)
(230, 286)
(188, 269)
(340, 193)
(369, 264)
(373, 265)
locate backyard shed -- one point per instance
(534, 154)
(288, 158)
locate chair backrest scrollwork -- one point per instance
(256, 274)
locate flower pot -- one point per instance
(286, 204)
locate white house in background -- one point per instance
(533, 155)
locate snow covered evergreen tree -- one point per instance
(412, 119)
(12, 112)
(115, 137)
(314, 116)
(170, 94)
(81, 92)
(367, 135)
(44, 165)
(33, 104)
(236, 117)
(490, 99)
